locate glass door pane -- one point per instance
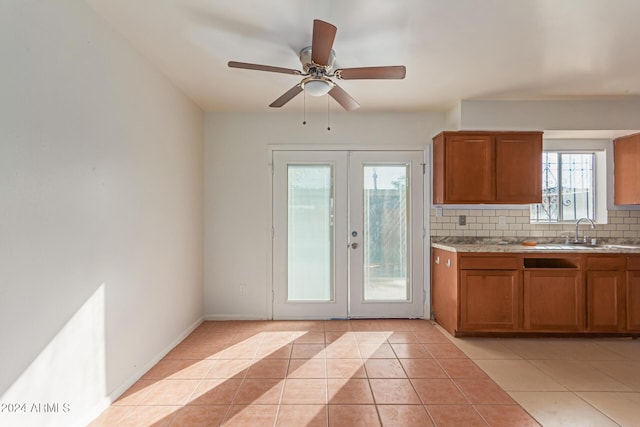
(310, 259)
(385, 233)
(310, 232)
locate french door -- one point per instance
(347, 234)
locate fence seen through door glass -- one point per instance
(386, 236)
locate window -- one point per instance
(568, 187)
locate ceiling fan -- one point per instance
(317, 64)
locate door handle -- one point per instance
(354, 245)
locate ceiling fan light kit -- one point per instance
(317, 86)
(317, 62)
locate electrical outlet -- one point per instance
(501, 220)
(462, 220)
(243, 289)
(438, 212)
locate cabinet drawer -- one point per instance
(606, 263)
(489, 263)
(633, 263)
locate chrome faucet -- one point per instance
(593, 227)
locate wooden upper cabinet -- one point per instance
(626, 170)
(519, 168)
(471, 161)
(487, 167)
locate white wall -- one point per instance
(237, 192)
(612, 114)
(101, 183)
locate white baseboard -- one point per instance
(235, 317)
(114, 395)
(135, 377)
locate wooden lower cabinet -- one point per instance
(444, 289)
(605, 301)
(553, 300)
(521, 293)
(633, 301)
(489, 300)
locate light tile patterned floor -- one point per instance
(316, 373)
(564, 382)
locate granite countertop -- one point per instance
(542, 246)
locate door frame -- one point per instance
(426, 241)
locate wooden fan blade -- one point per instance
(343, 98)
(287, 96)
(392, 72)
(322, 42)
(258, 67)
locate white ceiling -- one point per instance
(453, 49)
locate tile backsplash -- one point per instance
(514, 223)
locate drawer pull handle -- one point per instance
(448, 263)
(437, 260)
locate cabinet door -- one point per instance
(519, 168)
(469, 169)
(553, 300)
(444, 289)
(605, 301)
(489, 300)
(626, 171)
(633, 301)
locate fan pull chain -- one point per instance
(328, 115)
(304, 108)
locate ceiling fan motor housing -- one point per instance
(314, 69)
